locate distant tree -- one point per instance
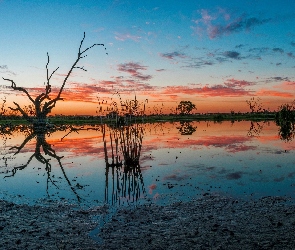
(41, 106)
(185, 107)
(254, 105)
(286, 113)
(3, 109)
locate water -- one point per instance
(164, 162)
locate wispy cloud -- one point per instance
(232, 54)
(280, 50)
(277, 79)
(134, 69)
(3, 67)
(290, 54)
(220, 23)
(286, 86)
(267, 92)
(172, 55)
(231, 88)
(127, 36)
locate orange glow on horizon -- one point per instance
(88, 102)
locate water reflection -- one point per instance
(255, 128)
(122, 153)
(43, 153)
(186, 128)
(116, 165)
(286, 130)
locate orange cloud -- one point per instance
(286, 85)
(265, 92)
(206, 91)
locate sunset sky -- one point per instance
(217, 54)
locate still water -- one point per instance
(159, 162)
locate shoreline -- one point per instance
(210, 222)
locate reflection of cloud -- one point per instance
(232, 144)
(152, 188)
(175, 177)
(234, 176)
(279, 179)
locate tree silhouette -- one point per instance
(185, 107)
(254, 105)
(42, 104)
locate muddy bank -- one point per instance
(53, 227)
(213, 222)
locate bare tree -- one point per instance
(43, 103)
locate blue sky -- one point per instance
(217, 54)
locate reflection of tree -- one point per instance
(286, 130)
(41, 145)
(186, 128)
(255, 129)
(125, 147)
(285, 119)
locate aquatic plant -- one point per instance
(125, 146)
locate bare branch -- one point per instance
(81, 68)
(51, 104)
(13, 86)
(25, 115)
(49, 77)
(96, 44)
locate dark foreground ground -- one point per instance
(212, 222)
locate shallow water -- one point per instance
(161, 162)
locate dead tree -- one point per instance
(43, 103)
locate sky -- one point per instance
(216, 54)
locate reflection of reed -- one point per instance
(125, 147)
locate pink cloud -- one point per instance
(265, 92)
(286, 85)
(206, 91)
